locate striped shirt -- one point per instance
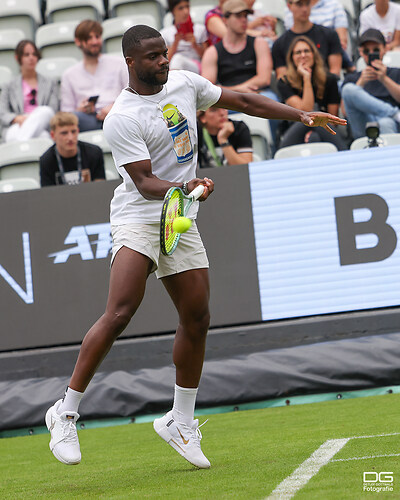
(328, 13)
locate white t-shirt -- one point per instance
(185, 48)
(387, 25)
(136, 130)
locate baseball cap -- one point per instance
(372, 35)
(235, 6)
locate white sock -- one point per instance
(70, 401)
(184, 402)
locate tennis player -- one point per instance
(152, 132)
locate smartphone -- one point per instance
(186, 27)
(93, 99)
(372, 56)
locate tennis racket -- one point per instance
(174, 206)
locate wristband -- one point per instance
(225, 144)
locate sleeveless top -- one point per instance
(236, 68)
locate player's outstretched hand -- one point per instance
(319, 119)
(206, 182)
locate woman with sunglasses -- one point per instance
(29, 100)
(308, 86)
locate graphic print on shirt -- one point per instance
(177, 125)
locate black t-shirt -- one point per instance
(331, 93)
(92, 159)
(375, 87)
(326, 40)
(234, 69)
(240, 139)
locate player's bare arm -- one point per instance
(263, 107)
(153, 188)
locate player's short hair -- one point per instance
(83, 30)
(62, 119)
(133, 36)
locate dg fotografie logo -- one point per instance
(378, 481)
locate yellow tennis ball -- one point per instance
(181, 224)
(171, 113)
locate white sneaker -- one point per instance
(64, 441)
(184, 439)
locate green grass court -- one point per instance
(251, 453)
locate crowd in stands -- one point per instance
(310, 59)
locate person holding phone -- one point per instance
(90, 87)
(186, 41)
(372, 94)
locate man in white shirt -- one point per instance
(152, 157)
(385, 17)
(90, 87)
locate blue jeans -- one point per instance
(88, 121)
(362, 107)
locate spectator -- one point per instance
(261, 24)
(90, 87)
(385, 17)
(29, 100)
(215, 25)
(331, 14)
(186, 41)
(328, 13)
(374, 93)
(325, 39)
(239, 61)
(69, 161)
(222, 141)
(308, 86)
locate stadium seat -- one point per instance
(311, 149)
(114, 28)
(71, 10)
(20, 14)
(360, 64)
(197, 13)
(383, 140)
(9, 39)
(18, 184)
(97, 137)
(352, 8)
(58, 40)
(54, 67)
(5, 75)
(121, 8)
(274, 8)
(260, 132)
(21, 159)
(392, 59)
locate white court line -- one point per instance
(324, 454)
(364, 458)
(300, 477)
(376, 435)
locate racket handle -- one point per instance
(197, 192)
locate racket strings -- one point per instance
(174, 210)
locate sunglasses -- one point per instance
(33, 93)
(367, 51)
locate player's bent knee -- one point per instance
(119, 319)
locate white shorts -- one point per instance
(145, 239)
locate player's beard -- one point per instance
(151, 78)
